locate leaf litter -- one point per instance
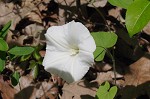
(30, 21)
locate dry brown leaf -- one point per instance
(139, 72)
(42, 53)
(7, 14)
(133, 92)
(102, 66)
(35, 16)
(6, 91)
(116, 13)
(9, 11)
(108, 76)
(48, 96)
(97, 3)
(147, 29)
(45, 88)
(39, 90)
(137, 79)
(79, 90)
(66, 2)
(24, 81)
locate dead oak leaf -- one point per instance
(137, 79)
(147, 29)
(139, 72)
(108, 76)
(6, 91)
(79, 90)
(27, 88)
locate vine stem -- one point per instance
(114, 65)
(113, 60)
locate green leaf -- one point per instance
(36, 55)
(103, 41)
(3, 45)
(35, 72)
(5, 29)
(2, 60)
(19, 51)
(12, 57)
(25, 57)
(137, 16)
(121, 3)
(104, 93)
(15, 78)
(32, 64)
(112, 92)
(99, 53)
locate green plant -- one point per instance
(3, 45)
(12, 53)
(137, 14)
(103, 41)
(137, 17)
(106, 92)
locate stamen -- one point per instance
(74, 52)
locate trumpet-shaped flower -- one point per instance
(69, 51)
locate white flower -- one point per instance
(69, 51)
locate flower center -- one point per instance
(74, 52)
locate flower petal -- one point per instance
(86, 57)
(69, 36)
(77, 33)
(69, 68)
(56, 38)
(80, 66)
(54, 60)
(79, 70)
(58, 58)
(74, 69)
(87, 45)
(59, 63)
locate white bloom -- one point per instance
(69, 51)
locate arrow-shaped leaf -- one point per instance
(5, 29)
(2, 60)
(19, 51)
(15, 78)
(137, 16)
(3, 45)
(121, 3)
(103, 41)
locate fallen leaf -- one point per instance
(24, 82)
(79, 90)
(116, 13)
(138, 72)
(107, 76)
(137, 79)
(147, 29)
(102, 66)
(38, 90)
(97, 3)
(6, 91)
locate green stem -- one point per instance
(113, 60)
(114, 63)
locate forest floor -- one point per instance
(31, 19)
